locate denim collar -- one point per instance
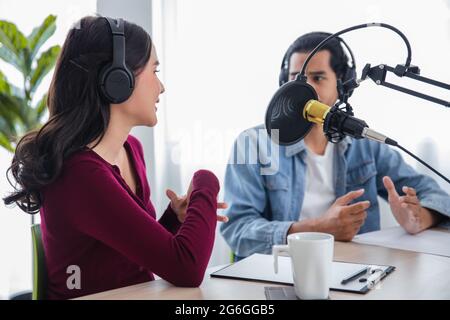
(300, 147)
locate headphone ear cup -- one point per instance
(350, 73)
(283, 78)
(116, 84)
(284, 71)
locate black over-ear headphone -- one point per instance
(348, 74)
(116, 81)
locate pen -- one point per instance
(375, 278)
(355, 276)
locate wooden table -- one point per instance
(417, 276)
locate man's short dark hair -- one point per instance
(307, 42)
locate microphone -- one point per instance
(334, 119)
(294, 108)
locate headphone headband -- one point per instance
(353, 65)
(284, 74)
(118, 36)
(116, 26)
(116, 81)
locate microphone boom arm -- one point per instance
(378, 75)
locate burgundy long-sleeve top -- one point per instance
(92, 220)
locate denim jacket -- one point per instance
(265, 186)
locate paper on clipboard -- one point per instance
(259, 267)
(428, 241)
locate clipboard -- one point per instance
(259, 267)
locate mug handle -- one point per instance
(276, 250)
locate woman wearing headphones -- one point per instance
(86, 173)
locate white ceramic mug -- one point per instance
(312, 257)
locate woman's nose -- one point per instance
(162, 87)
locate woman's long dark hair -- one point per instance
(78, 115)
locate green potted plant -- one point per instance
(18, 111)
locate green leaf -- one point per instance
(40, 35)
(10, 109)
(5, 143)
(36, 114)
(5, 87)
(41, 107)
(10, 116)
(13, 40)
(16, 91)
(10, 57)
(6, 128)
(45, 63)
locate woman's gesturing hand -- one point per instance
(179, 204)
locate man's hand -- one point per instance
(344, 220)
(341, 219)
(179, 204)
(407, 209)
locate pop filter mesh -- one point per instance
(285, 112)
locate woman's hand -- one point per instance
(180, 204)
(407, 209)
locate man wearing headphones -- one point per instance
(321, 186)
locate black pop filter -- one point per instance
(285, 112)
